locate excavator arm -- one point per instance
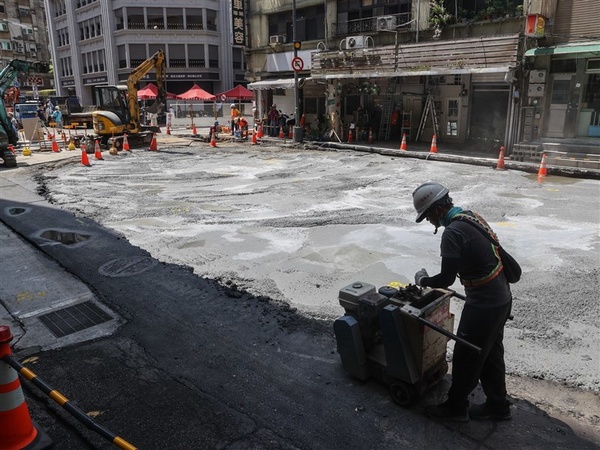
(156, 62)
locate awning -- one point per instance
(485, 54)
(414, 73)
(281, 83)
(565, 49)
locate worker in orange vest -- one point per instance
(235, 113)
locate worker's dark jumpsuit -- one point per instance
(466, 251)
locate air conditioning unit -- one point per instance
(537, 76)
(386, 23)
(536, 90)
(355, 42)
(277, 39)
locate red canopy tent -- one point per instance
(196, 93)
(238, 93)
(150, 91)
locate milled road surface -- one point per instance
(294, 226)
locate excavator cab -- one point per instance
(112, 115)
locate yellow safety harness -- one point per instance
(478, 221)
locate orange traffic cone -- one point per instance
(97, 152)
(433, 148)
(254, 138)
(125, 143)
(403, 145)
(194, 131)
(153, 143)
(213, 140)
(55, 148)
(543, 171)
(281, 135)
(260, 131)
(350, 136)
(16, 427)
(168, 127)
(302, 121)
(12, 149)
(370, 135)
(500, 165)
(84, 157)
(291, 132)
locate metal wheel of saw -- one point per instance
(402, 393)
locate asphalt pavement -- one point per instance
(274, 383)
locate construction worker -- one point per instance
(57, 117)
(235, 113)
(469, 254)
(273, 120)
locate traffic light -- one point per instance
(297, 45)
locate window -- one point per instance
(174, 18)
(3, 26)
(211, 20)
(135, 18)
(452, 128)
(155, 18)
(193, 19)
(452, 108)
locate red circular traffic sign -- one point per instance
(297, 64)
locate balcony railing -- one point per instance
(373, 24)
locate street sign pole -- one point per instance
(298, 130)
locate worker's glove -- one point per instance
(419, 276)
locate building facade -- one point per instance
(96, 42)
(386, 68)
(23, 36)
(562, 68)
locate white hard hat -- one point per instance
(233, 105)
(425, 196)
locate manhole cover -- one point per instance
(65, 237)
(74, 318)
(126, 267)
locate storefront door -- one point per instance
(564, 105)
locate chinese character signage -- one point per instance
(535, 26)
(238, 22)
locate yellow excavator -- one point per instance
(118, 111)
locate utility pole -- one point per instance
(298, 130)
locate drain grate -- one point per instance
(74, 318)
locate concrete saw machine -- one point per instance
(397, 335)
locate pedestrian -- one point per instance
(41, 114)
(235, 114)
(273, 120)
(14, 123)
(469, 254)
(57, 116)
(394, 122)
(171, 115)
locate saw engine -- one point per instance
(397, 335)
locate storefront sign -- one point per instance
(95, 80)
(536, 26)
(238, 16)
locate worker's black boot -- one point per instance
(488, 411)
(447, 411)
